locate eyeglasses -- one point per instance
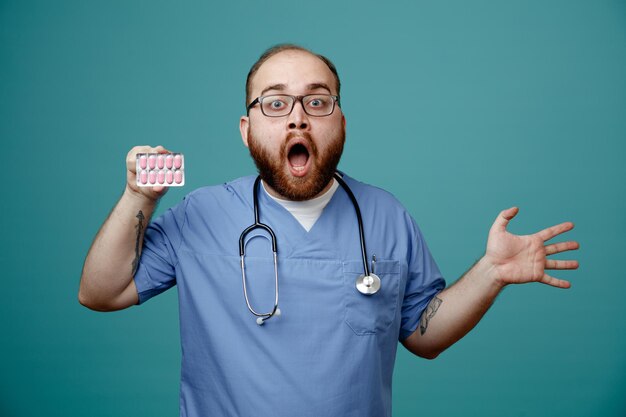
(281, 104)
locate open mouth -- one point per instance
(298, 157)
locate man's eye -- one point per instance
(277, 104)
(316, 102)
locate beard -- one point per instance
(272, 167)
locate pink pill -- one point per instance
(152, 177)
(169, 177)
(143, 177)
(169, 161)
(160, 161)
(152, 161)
(178, 161)
(178, 176)
(143, 162)
(161, 177)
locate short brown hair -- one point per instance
(287, 47)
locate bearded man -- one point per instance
(354, 272)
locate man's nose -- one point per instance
(298, 119)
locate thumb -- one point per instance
(503, 219)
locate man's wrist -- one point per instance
(139, 199)
(487, 271)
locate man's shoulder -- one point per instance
(371, 193)
(238, 186)
(228, 196)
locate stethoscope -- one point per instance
(368, 283)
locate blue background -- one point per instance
(458, 108)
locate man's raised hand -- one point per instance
(519, 259)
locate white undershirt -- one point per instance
(307, 212)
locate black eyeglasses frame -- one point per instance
(259, 100)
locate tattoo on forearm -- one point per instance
(429, 313)
(139, 228)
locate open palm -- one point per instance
(520, 259)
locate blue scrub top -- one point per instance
(332, 351)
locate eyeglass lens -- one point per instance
(281, 105)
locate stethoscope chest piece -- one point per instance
(369, 284)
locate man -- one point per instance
(331, 351)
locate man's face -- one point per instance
(296, 154)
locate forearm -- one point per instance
(455, 311)
(107, 278)
(509, 259)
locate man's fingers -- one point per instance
(561, 247)
(554, 282)
(131, 158)
(161, 149)
(550, 232)
(559, 264)
(503, 218)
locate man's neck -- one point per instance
(309, 211)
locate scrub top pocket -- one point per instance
(371, 314)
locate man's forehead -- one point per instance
(293, 69)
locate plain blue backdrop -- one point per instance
(460, 109)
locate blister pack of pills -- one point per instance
(166, 169)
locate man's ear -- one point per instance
(244, 122)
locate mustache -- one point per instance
(305, 135)
(299, 135)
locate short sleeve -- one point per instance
(423, 283)
(156, 271)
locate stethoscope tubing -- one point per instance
(242, 253)
(258, 225)
(359, 220)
